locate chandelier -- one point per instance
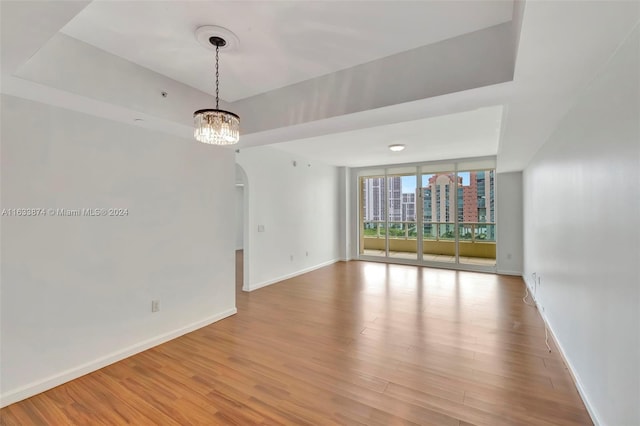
(216, 126)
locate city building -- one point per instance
(373, 199)
(408, 213)
(475, 200)
(401, 206)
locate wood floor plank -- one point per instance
(354, 343)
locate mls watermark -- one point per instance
(61, 212)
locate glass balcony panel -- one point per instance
(403, 241)
(373, 238)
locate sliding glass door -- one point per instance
(401, 213)
(439, 237)
(432, 214)
(373, 215)
(476, 217)
(388, 221)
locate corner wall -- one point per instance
(293, 215)
(77, 290)
(509, 248)
(582, 238)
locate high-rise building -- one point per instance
(395, 198)
(475, 200)
(373, 199)
(409, 206)
(401, 205)
(473, 196)
(439, 198)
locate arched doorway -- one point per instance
(242, 234)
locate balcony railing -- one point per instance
(477, 239)
(408, 230)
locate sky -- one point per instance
(409, 182)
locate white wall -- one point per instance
(77, 291)
(509, 248)
(298, 206)
(581, 210)
(239, 217)
(344, 207)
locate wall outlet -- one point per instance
(155, 305)
(291, 257)
(260, 228)
(307, 254)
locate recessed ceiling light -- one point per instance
(396, 147)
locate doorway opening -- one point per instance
(241, 227)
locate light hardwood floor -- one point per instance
(352, 343)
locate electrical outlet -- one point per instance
(307, 254)
(291, 257)
(155, 305)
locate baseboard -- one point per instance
(293, 274)
(574, 375)
(507, 272)
(57, 379)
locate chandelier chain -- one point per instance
(214, 126)
(217, 75)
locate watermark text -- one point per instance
(62, 212)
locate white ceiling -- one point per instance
(467, 134)
(560, 47)
(281, 42)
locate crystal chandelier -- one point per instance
(216, 126)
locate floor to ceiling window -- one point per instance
(432, 213)
(373, 216)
